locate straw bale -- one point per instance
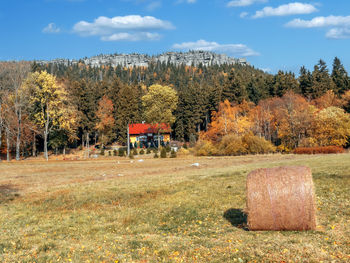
(281, 199)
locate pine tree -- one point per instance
(321, 81)
(340, 77)
(234, 90)
(305, 82)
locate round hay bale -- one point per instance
(281, 199)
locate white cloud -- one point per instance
(51, 29)
(131, 36)
(132, 28)
(153, 5)
(286, 10)
(243, 14)
(234, 49)
(339, 33)
(237, 3)
(320, 21)
(340, 25)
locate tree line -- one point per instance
(78, 105)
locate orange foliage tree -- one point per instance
(106, 120)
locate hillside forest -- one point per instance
(219, 110)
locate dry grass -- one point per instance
(162, 210)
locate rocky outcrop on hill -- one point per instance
(190, 58)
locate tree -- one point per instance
(332, 127)
(106, 120)
(229, 119)
(234, 90)
(49, 102)
(305, 82)
(340, 77)
(321, 81)
(160, 103)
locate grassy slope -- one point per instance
(161, 210)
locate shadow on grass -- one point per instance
(8, 193)
(237, 218)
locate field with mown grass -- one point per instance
(162, 210)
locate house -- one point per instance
(147, 134)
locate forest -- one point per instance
(221, 110)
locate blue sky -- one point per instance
(271, 34)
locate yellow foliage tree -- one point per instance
(332, 127)
(50, 106)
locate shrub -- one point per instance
(134, 152)
(163, 153)
(232, 144)
(205, 148)
(183, 151)
(256, 145)
(319, 150)
(109, 153)
(156, 155)
(173, 154)
(115, 152)
(131, 155)
(185, 146)
(155, 150)
(168, 148)
(142, 151)
(102, 152)
(121, 152)
(148, 151)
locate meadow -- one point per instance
(162, 210)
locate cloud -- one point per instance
(243, 14)
(340, 25)
(320, 21)
(132, 28)
(239, 3)
(286, 10)
(234, 49)
(51, 29)
(153, 5)
(131, 36)
(339, 33)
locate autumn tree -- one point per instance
(228, 119)
(49, 102)
(106, 120)
(160, 102)
(332, 127)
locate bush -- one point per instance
(148, 151)
(156, 155)
(131, 155)
(163, 153)
(142, 151)
(109, 153)
(121, 152)
(319, 150)
(183, 151)
(173, 154)
(185, 146)
(115, 152)
(134, 152)
(102, 152)
(168, 148)
(155, 150)
(232, 145)
(205, 148)
(257, 145)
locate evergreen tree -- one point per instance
(305, 82)
(321, 81)
(340, 77)
(234, 90)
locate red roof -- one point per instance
(143, 128)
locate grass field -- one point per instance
(162, 210)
